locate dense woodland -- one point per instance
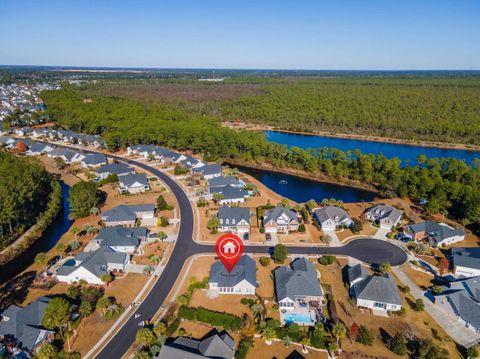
(449, 185)
(25, 188)
(444, 109)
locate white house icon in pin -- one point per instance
(229, 248)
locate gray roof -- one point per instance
(334, 213)
(39, 147)
(438, 232)
(93, 159)
(464, 296)
(244, 269)
(190, 161)
(95, 262)
(130, 179)
(115, 168)
(233, 214)
(125, 212)
(214, 346)
(299, 280)
(210, 169)
(25, 324)
(379, 288)
(230, 192)
(222, 181)
(381, 211)
(357, 272)
(275, 213)
(63, 152)
(121, 236)
(466, 257)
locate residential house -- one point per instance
(435, 233)
(223, 181)
(67, 155)
(298, 292)
(93, 160)
(234, 219)
(6, 141)
(384, 215)
(462, 299)
(376, 292)
(119, 169)
(192, 162)
(121, 239)
(127, 215)
(331, 217)
(133, 183)
(90, 266)
(209, 171)
(280, 220)
(39, 148)
(214, 346)
(24, 325)
(466, 261)
(241, 280)
(231, 194)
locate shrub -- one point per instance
(172, 328)
(244, 301)
(163, 221)
(264, 261)
(365, 336)
(225, 320)
(418, 306)
(280, 253)
(243, 347)
(301, 228)
(161, 203)
(262, 230)
(327, 260)
(180, 170)
(356, 226)
(399, 345)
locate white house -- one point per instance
(376, 292)
(331, 217)
(90, 266)
(241, 280)
(383, 214)
(280, 220)
(133, 183)
(233, 219)
(466, 261)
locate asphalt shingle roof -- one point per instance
(132, 178)
(93, 159)
(222, 181)
(210, 169)
(381, 211)
(299, 280)
(121, 236)
(357, 272)
(378, 288)
(125, 212)
(116, 168)
(230, 193)
(466, 257)
(334, 213)
(275, 213)
(233, 214)
(438, 231)
(245, 269)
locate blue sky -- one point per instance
(335, 34)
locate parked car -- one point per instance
(268, 236)
(245, 237)
(403, 238)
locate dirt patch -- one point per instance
(279, 350)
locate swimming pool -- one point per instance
(303, 319)
(69, 262)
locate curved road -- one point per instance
(367, 250)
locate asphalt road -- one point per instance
(368, 250)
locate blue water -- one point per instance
(46, 242)
(298, 318)
(301, 189)
(69, 262)
(389, 150)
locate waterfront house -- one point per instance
(234, 219)
(280, 220)
(466, 261)
(24, 325)
(222, 181)
(90, 266)
(376, 292)
(119, 169)
(127, 215)
(298, 292)
(241, 280)
(122, 239)
(331, 217)
(133, 183)
(213, 345)
(435, 233)
(191, 162)
(384, 215)
(231, 194)
(461, 298)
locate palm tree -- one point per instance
(257, 309)
(339, 331)
(41, 259)
(89, 229)
(305, 341)
(75, 231)
(74, 245)
(268, 334)
(287, 341)
(155, 259)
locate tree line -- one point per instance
(25, 190)
(447, 185)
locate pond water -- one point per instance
(46, 242)
(301, 189)
(389, 150)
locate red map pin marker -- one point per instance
(229, 249)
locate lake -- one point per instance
(300, 189)
(47, 241)
(389, 150)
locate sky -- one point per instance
(231, 34)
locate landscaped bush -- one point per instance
(225, 320)
(172, 328)
(243, 347)
(264, 261)
(418, 306)
(326, 260)
(301, 228)
(365, 336)
(356, 226)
